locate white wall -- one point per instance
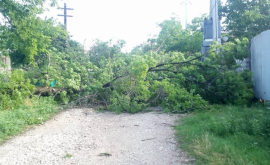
(260, 65)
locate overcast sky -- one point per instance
(131, 20)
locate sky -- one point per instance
(131, 20)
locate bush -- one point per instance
(14, 90)
(19, 107)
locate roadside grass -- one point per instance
(33, 111)
(227, 135)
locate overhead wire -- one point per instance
(214, 6)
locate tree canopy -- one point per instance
(246, 18)
(23, 33)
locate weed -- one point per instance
(67, 156)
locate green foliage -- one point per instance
(173, 37)
(14, 89)
(166, 71)
(13, 121)
(64, 98)
(234, 121)
(67, 156)
(101, 51)
(18, 105)
(176, 81)
(130, 83)
(176, 98)
(245, 18)
(227, 135)
(23, 33)
(229, 85)
(131, 92)
(70, 70)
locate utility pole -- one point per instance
(186, 15)
(211, 27)
(214, 16)
(186, 11)
(65, 14)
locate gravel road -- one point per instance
(86, 137)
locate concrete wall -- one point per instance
(260, 64)
(7, 62)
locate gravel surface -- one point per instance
(86, 137)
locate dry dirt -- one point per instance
(86, 137)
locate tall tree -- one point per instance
(246, 18)
(22, 31)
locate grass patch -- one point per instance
(36, 111)
(227, 135)
(67, 156)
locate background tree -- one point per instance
(22, 31)
(245, 18)
(173, 37)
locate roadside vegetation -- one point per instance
(16, 120)
(227, 135)
(231, 134)
(225, 125)
(19, 108)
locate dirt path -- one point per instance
(85, 137)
